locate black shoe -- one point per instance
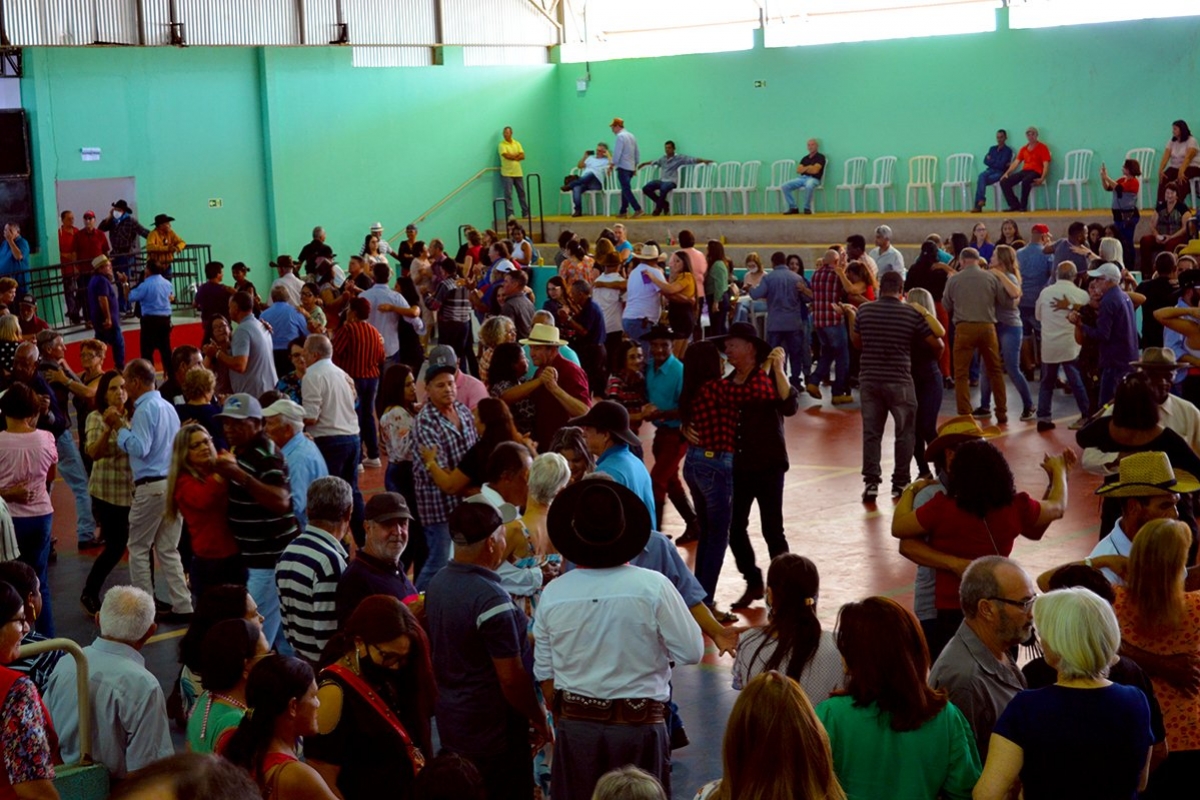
(691, 534)
(679, 738)
(748, 597)
(91, 605)
(656, 213)
(870, 492)
(982, 413)
(947, 383)
(576, 213)
(1044, 426)
(974, 382)
(792, 211)
(897, 490)
(173, 618)
(808, 211)
(978, 209)
(90, 544)
(1027, 415)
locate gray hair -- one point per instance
(1111, 250)
(979, 582)
(547, 477)
(279, 294)
(141, 371)
(884, 231)
(126, 614)
(317, 231)
(542, 317)
(45, 339)
(329, 499)
(495, 330)
(583, 287)
(1067, 271)
(968, 253)
(319, 345)
(1080, 628)
(628, 783)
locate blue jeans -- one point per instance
(588, 183)
(834, 346)
(799, 352)
(986, 179)
(260, 583)
(709, 475)
(437, 535)
(342, 455)
(33, 547)
(366, 389)
(70, 467)
(878, 399)
(744, 305)
(806, 182)
(115, 341)
(1010, 353)
(635, 329)
(628, 200)
(1046, 392)
(656, 192)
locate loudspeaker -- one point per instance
(14, 144)
(16, 205)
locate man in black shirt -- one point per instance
(314, 250)
(1161, 291)
(212, 298)
(587, 322)
(376, 567)
(809, 174)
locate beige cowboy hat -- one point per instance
(1156, 358)
(957, 430)
(648, 253)
(543, 335)
(1149, 474)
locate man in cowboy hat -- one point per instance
(605, 638)
(163, 243)
(123, 231)
(606, 429)
(564, 390)
(643, 299)
(287, 279)
(664, 385)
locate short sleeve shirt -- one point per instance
(261, 534)
(251, 340)
(891, 332)
(815, 158)
(1034, 158)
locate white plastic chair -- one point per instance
(747, 186)
(1076, 179)
(960, 174)
(922, 174)
(728, 175)
(782, 171)
(1145, 158)
(883, 179)
(565, 196)
(611, 192)
(694, 184)
(853, 173)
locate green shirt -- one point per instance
(872, 760)
(716, 281)
(221, 719)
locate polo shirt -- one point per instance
(786, 307)
(90, 243)
(890, 260)
(286, 324)
(662, 556)
(251, 339)
(668, 167)
(328, 399)
(664, 385)
(625, 468)
(1115, 330)
(261, 534)
(367, 575)
(472, 620)
(1037, 270)
(307, 578)
(891, 330)
(100, 286)
(154, 293)
(1034, 158)
(305, 464)
(977, 682)
(1117, 543)
(642, 297)
(972, 295)
(508, 167)
(150, 436)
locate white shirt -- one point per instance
(293, 286)
(890, 261)
(385, 321)
(1177, 414)
(609, 301)
(1115, 544)
(642, 295)
(129, 715)
(1058, 334)
(613, 633)
(329, 399)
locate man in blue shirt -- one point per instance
(1037, 269)
(287, 325)
(625, 160)
(589, 328)
(1115, 330)
(14, 255)
(156, 295)
(149, 441)
(102, 309)
(284, 423)
(664, 384)
(788, 322)
(606, 429)
(998, 157)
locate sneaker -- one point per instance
(576, 213)
(792, 211)
(724, 617)
(1044, 425)
(947, 383)
(982, 413)
(897, 490)
(813, 390)
(978, 209)
(638, 213)
(1027, 415)
(870, 492)
(1078, 424)
(842, 399)
(373, 463)
(748, 597)
(808, 211)
(656, 213)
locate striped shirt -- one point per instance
(452, 302)
(261, 534)
(432, 429)
(891, 331)
(307, 577)
(358, 349)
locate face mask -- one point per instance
(374, 673)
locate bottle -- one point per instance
(541, 261)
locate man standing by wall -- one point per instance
(511, 174)
(970, 299)
(625, 161)
(14, 255)
(810, 171)
(998, 157)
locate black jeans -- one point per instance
(456, 335)
(1025, 178)
(591, 359)
(765, 486)
(114, 527)
(156, 335)
(209, 572)
(399, 478)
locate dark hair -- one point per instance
(381, 272)
(621, 354)
(1085, 576)
(1165, 263)
(701, 364)
(505, 459)
(555, 280)
(498, 425)
(891, 282)
(274, 682)
(20, 402)
(100, 401)
(228, 645)
(857, 241)
(218, 603)
(777, 258)
(20, 576)
(391, 389)
(565, 237)
(887, 662)
(1134, 406)
(11, 601)
(1184, 131)
(312, 288)
(361, 308)
(506, 357)
(980, 480)
(794, 584)
(576, 249)
(242, 301)
(1001, 130)
(685, 260)
(212, 269)
(928, 255)
(668, 142)
(63, 215)
(687, 238)
(958, 243)
(189, 776)
(799, 260)
(1132, 166)
(502, 249)
(269, 396)
(181, 355)
(449, 777)
(518, 276)
(715, 252)
(1016, 232)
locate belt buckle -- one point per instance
(709, 454)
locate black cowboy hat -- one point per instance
(121, 205)
(159, 219)
(611, 417)
(746, 332)
(598, 524)
(659, 331)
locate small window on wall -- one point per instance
(1055, 13)
(613, 29)
(808, 22)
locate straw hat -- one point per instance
(957, 430)
(1149, 474)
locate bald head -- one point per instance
(831, 257)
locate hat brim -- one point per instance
(541, 343)
(627, 436)
(389, 516)
(223, 415)
(1185, 483)
(935, 448)
(1169, 366)
(588, 554)
(433, 372)
(761, 348)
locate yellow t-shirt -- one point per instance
(509, 168)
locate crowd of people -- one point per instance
(510, 595)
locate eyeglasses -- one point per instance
(21, 622)
(387, 659)
(1024, 605)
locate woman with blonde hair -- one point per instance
(774, 748)
(628, 783)
(751, 278)
(927, 378)
(1009, 331)
(493, 332)
(10, 340)
(1160, 620)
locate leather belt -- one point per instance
(144, 481)
(611, 712)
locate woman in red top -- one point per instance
(980, 514)
(709, 407)
(198, 494)
(1125, 203)
(27, 752)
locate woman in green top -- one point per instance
(231, 648)
(892, 736)
(716, 288)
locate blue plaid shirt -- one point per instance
(432, 429)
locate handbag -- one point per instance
(376, 702)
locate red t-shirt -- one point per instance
(957, 533)
(204, 505)
(549, 414)
(1128, 184)
(1035, 158)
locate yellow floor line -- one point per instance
(162, 637)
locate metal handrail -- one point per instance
(81, 685)
(445, 199)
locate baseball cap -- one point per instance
(1041, 229)
(28, 300)
(387, 506)
(283, 407)
(508, 512)
(89, 215)
(617, 121)
(441, 359)
(471, 523)
(1110, 271)
(241, 406)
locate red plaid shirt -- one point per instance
(714, 413)
(827, 290)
